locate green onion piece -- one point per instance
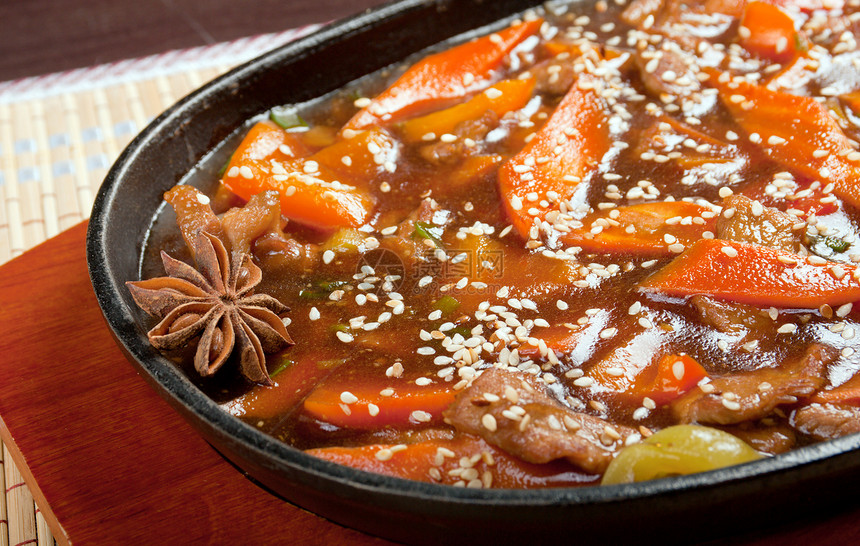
(836, 244)
(462, 330)
(224, 166)
(339, 328)
(283, 364)
(425, 230)
(320, 290)
(447, 304)
(287, 118)
(799, 43)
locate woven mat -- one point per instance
(59, 135)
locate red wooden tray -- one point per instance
(110, 462)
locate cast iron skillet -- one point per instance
(674, 509)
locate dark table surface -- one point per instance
(43, 36)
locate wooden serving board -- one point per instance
(110, 462)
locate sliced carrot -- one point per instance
(565, 150)
(359, 405)
(670, 378)
(756, 275)
(435, 80)
(554, 48)
(801, 125)
(471, 169)
(807, 198)
(771, 34)
(559, 338)
(358, 160)
(290, 385)
(335, 197)
(306, 199)
(849, 396)
(847, 393)
(431, 461)
(266, 140)
(502, 97)
(647, 229)
(618, 371)
(852, 100)
(732, 8)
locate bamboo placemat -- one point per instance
(59, 134)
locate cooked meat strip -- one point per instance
(754, 223)
(514, 412)
(827, 421)
(749, 396)
(413, 249)
(731, 318)
(639, 10)
(772, 439)
(666, 71)
(448, 153)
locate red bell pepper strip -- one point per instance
(755, 275)
(435, 80)
(801, 125)
(643, 229)
(566, 149)
(670, 378)
(770, 32)
(676, 375)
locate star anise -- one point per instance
(216, 304)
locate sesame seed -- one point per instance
(678, 370)
(489, 422)
(584, 382)
(608, 333)
(493, 93)
(729, 251)
(246, 172)
(421, 416)
(348, 398)
(384, 454)
(731, 404)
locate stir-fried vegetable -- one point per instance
(437, 79)
(675, 451)
(798, 131)
(756, 275)
(559, 156)
(648, 229)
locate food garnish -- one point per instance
(215, 305)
